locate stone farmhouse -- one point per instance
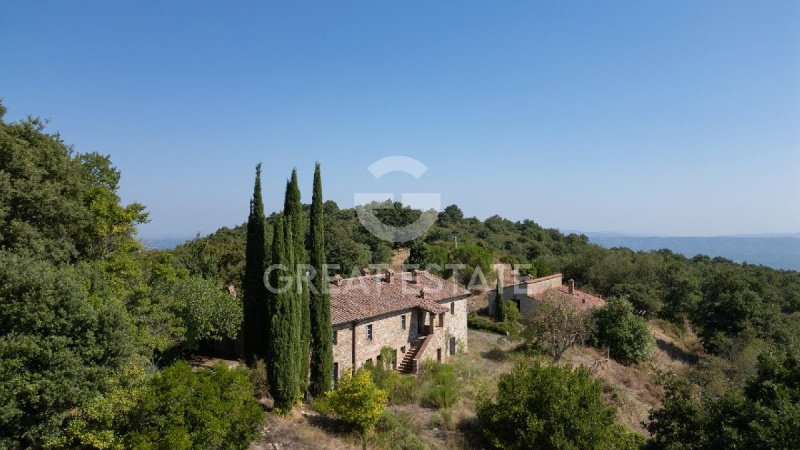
(417, 314)
(526, 293)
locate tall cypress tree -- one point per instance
(256, 322)
(293, 210)
(320, 300)
(499, 301)
(284, 336)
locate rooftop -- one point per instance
(368, 296)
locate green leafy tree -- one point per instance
(555, 325)
(204, 311)
(625, 334)
(284, 338)
(478, 260)
(357, 402)
(256, 322)
(550, 407)
(56, 347)
(184, 409)
(320, 300)
(293, 210)
(57, 205)
(764, 413)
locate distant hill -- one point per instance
(164, 243)
(776, 251)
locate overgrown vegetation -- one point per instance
(555, 325)
(550, 407)
(625, 335)
(86, 314)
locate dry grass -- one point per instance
(303, 430)
(634, 390)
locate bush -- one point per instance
(204, 409)
(477, 322)
(496, 354)
(549, 407)
(625, 334)
(357, 401)
(398, 432)
(400, 389)
(443, 390)
(443, 421)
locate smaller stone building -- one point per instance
(526, 293)
(417, 314)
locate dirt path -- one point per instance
(399, 257)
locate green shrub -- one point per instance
(203, 409)
(401, 389)
(443, 385)
(443, 421)
(550, 407)
(496, 354)
(398, 431)
(625, 334)
(478, 322)
(357, 401)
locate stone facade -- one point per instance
(387, 331)
(449, 339)
(524, 294)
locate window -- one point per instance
(452, 307)
(335, 373)
(335, 334)
(369, 332)
(403, 349)
(403, 322)
(441, 319)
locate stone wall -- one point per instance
(524, 293)
(387, 332)
(450, 338)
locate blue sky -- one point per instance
(676, 118)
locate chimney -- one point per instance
(414, 274)
(389, 275)
(571, 286)
(422, 293)
(365, 271)
(337, 280)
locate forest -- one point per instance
(96, 330)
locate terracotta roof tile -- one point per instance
(368, 296)
(580, 299)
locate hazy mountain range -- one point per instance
(779, 251)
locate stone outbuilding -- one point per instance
(526, 293)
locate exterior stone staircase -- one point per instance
(407, 364)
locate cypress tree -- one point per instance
(320, 299)
(500, 303)
(255, 322)
(284, 334)
(293, 210)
